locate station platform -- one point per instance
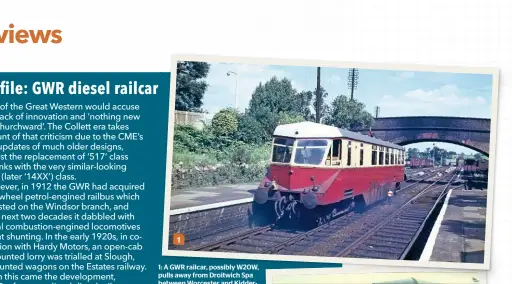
(459, 232)
(204, 196)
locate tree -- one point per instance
(413, 152)
(439, 154)
(286, 118)
(452, 154)
(250, 130)
(303, 105)
(271, 99)
(190, 86)
(428, 153)
(349, 114)
(324, 108)
(225, 122)
(477, 156)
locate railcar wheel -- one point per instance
(262, 214)
(360, 205)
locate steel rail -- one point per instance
(371, 232)
(420, 229)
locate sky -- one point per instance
(397, 93)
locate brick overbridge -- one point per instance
(473, 133)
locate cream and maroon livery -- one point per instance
(316, 165)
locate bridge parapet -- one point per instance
(476, 124)
(473, 133)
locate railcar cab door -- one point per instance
(334, 155)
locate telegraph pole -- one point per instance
(353, 78)
(318, 95)
(377, 111)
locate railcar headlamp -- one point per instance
(274, 185)
(267, 183)
(315, 188)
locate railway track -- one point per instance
(272, 239)
(392, 236)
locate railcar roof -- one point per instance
(308, 129)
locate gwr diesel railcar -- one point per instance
(321, 171)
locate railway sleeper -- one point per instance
(259, 238)
(355, 236)
(280, 234)
(411, 216)
(370, 254)
(302, 243)
(395, 235)
(338, 248)
(251, 242)
(290, 251)
(322, 234)
(406, 226)
(425, 201)
(384, 248)
(416, 213)
(241, 248)
(408, 222)
(331, 231)
(378, 238)
(400, 228)
(385, 244)
(348, 241)
(397, 231)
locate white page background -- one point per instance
(141, 36)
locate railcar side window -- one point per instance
(328, 161)
(349, 153)
(387, 156)
(336, 149)
(381, 155)
(282, 150)
(392, 157)
(374, 155)
(361, 155)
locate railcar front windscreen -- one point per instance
(282, 150)
(311, 151)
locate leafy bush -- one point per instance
(216, 175)
(225, 123)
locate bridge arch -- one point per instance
(473, 133)
(445, 141)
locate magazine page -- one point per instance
(232, 142)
